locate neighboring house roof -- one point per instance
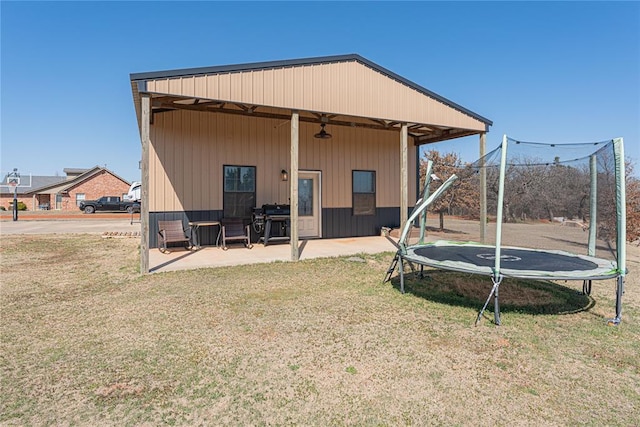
(325, 87)
(58, 184)
(36, 182)
(74, 171)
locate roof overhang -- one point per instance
(188, 89)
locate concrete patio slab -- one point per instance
(211, 256)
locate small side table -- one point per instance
(195, 225)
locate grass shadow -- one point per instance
(516, 295)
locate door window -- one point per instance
(305, 197)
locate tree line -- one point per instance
(535, 191)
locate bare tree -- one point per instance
(633, 203)
(463, 196)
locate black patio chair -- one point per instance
(234, 230)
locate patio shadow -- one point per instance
(171, 261)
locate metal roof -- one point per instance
(139, 77)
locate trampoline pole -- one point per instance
(401, 271)
(619, 291)
(621, 228)
(425, 195)
(593, 205)
(496, 306)
(494, 291)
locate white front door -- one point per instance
(309, 206)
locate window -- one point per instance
(364, 193)
(239, 190)
(79, 198)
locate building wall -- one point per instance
(101, 184)
(7, 199)
(189, 150)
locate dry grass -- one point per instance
(87, 341)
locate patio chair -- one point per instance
(173, 232)
(234, 230)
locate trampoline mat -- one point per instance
(513, 259)
(514, 262)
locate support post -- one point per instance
(15, 203)
(145, 139)
(404, 179)
(295, 136)
(483, 188)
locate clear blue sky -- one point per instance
(541, 71)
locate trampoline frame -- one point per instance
(497, 274)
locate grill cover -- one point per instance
(279, 210)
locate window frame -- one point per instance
(80, 200)
(225, 192)
(371, 211)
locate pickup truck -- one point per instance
(109, 203)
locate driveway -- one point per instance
(64, 226)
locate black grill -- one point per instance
(272, 221)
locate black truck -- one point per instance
(109, 203)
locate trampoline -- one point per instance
(518, 263)
(499, 261)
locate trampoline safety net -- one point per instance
(552, 198)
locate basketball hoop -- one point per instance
(13, 180)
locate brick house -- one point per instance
(65, 192)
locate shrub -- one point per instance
(21, 206)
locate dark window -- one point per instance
(364, 193)
(239, 191)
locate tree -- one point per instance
(633, 203)
(463, 197)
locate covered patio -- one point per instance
(212, 256)
(335, 139)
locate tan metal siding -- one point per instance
(346, 88)
(189, 149)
